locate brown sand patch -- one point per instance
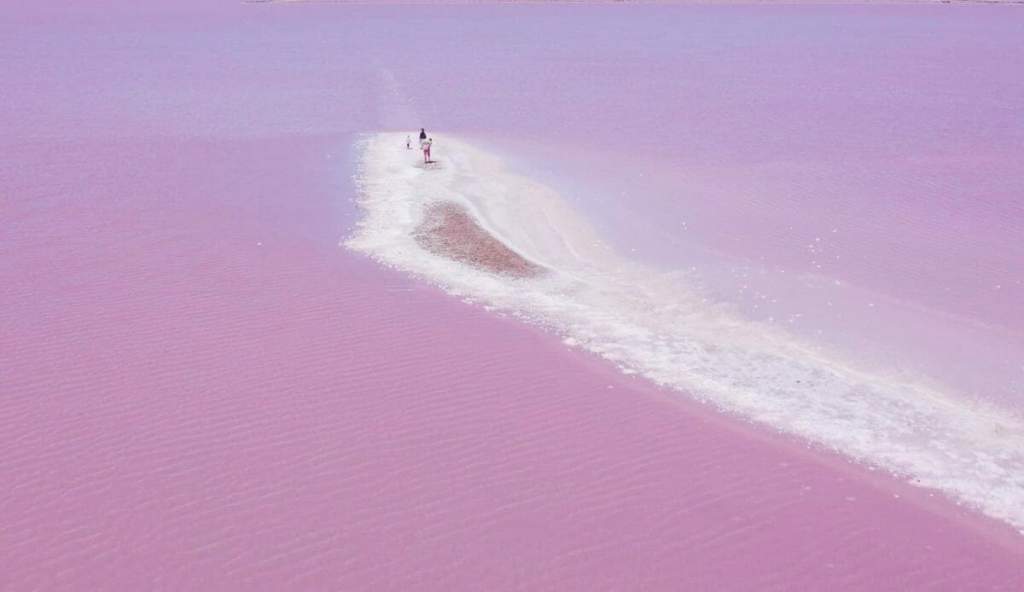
(450, 231)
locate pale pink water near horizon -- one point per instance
(200, 390)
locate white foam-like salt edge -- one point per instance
(650, 322)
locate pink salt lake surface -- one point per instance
(200, 390)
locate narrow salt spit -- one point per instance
(653, 323)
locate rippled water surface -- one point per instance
(200, 388)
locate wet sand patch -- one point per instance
(450, 231)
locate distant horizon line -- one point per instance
(647, 2)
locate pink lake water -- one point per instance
(200, 390)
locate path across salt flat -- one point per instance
(657, 324)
